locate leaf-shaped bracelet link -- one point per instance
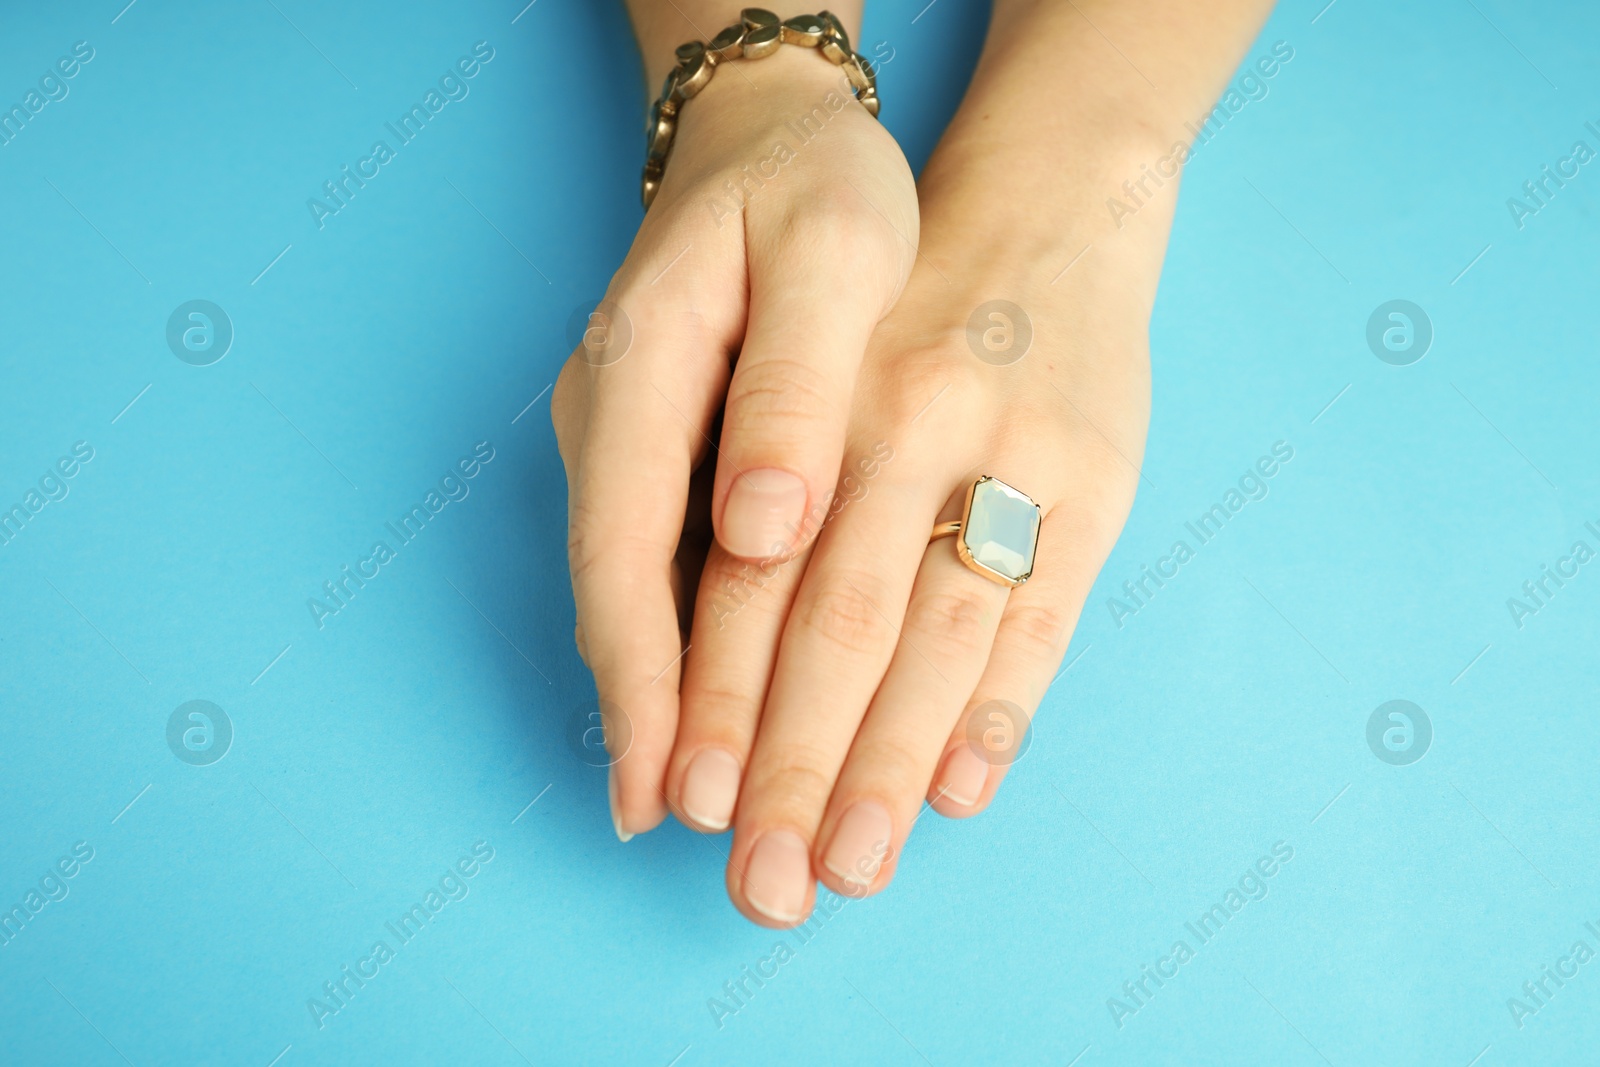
(758, 33)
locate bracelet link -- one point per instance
(804, 30)
(694, 74)
(659, 133)
(671, 95)
(859, 71)
(729, 44)
(758, 33)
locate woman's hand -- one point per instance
(827, 693)
(892, 644)
(783, 231)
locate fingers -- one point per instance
(949, 626)
(629, 477)
(739, 613)
(836, 644)
(623, 534)
(819, 282)
(1034, 632)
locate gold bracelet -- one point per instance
(758, 33)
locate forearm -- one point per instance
(662, 25)
(1071, 99)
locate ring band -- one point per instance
(999, 531)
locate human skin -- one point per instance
(697, 288)
(817, 708)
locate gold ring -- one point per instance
(999, 531)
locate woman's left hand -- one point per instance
(889, 643)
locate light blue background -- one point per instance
(1176, 750)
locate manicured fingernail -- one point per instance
(778, 876)
(860, 842)
(616, 812)
(965, 775)
(764, 508)
(710, 788)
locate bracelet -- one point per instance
(757, 34)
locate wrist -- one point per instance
(769, 89)
(1063, 146)
(1012, 221)
(746, 96)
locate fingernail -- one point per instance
(778, 876)
(965, 775)
(616, 811)
(765, 507)
(710, 788)
(860, 842)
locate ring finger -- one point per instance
(1034, 633)
(951, 623)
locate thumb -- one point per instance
(817, 290)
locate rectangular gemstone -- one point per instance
(1001, 529)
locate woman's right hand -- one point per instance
(783, 231)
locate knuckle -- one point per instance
(598, 550)
(801, 785)
(897, 769)
(564, 396)
(760, 586)
(674, 329)
(1107, 452)
(837, 228)
(958, 622)
(1103, 460)
(1046, 627)
(830, 223)
(779, 392)
(842, 615)
(720, 713)
(584, 557)
(567, 401)
(1033, 420)
(919, 387)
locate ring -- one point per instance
(999, 531)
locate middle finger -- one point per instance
(836, 645)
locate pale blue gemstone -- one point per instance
(1002, 529)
